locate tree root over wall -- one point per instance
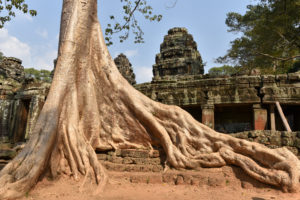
(91, 106)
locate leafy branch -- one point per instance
(129, 22)
(10, 7)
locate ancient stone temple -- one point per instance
(21, 100)
(244, 106)
(125, 68)
(178, 55)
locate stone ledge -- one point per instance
(214, 177)
(131, 167)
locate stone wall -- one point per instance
(138, 160)
(273, 139)
(133, 160)
(21, 100)
(249, 95)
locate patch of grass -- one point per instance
(227, 182)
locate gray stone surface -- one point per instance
(125, 68)
(178, 55)
(11, 68)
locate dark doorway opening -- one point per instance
(21, 121)
(233, 118)
(195, 111)
(292, 114)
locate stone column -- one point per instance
(272, 117)
(208, 115)
(35, 107)
(260, 117)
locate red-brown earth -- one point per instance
(226, 183)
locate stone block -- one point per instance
(7, 154)
(169, 178)
(140, 161)
(111, 153)
(142, 168)
(139, 179)
(155, 154)
(155, 179)
(134, 153)
(157, 168)
(154, 161)
(287, 141)
(102, 156)
(179, 180)
(297, 143)
(127, 160)
(117, 160)
(216, 182)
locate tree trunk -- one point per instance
(91, 106)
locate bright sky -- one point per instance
(34, 40)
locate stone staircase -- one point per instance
(129, 160)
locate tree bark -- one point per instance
(91, 106)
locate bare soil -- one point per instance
(130, 186)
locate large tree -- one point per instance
(91, 106)
(270, 38)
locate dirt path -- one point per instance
(121, 188)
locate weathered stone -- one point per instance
(155, 179)
(215, 182)
(101, 156)
(127, 160)
(157, 168)
(3, 163)
(7, 154)
(11, 68)
(179, 180)
(169, 178)
(134, 153)
(125, 68)
(178, 55)
(246, 185)
(154, 161)
(155, 154)
(297, 143)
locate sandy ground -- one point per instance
(119, 188)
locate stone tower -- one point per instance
(125, 68)
(178, 55)
(12, 68)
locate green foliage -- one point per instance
(8, 10)
(295, 67)
(129, 22)
(270, 35)
(1, 56)
(41, 75)
(225, 70)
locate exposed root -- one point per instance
(91, 106)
